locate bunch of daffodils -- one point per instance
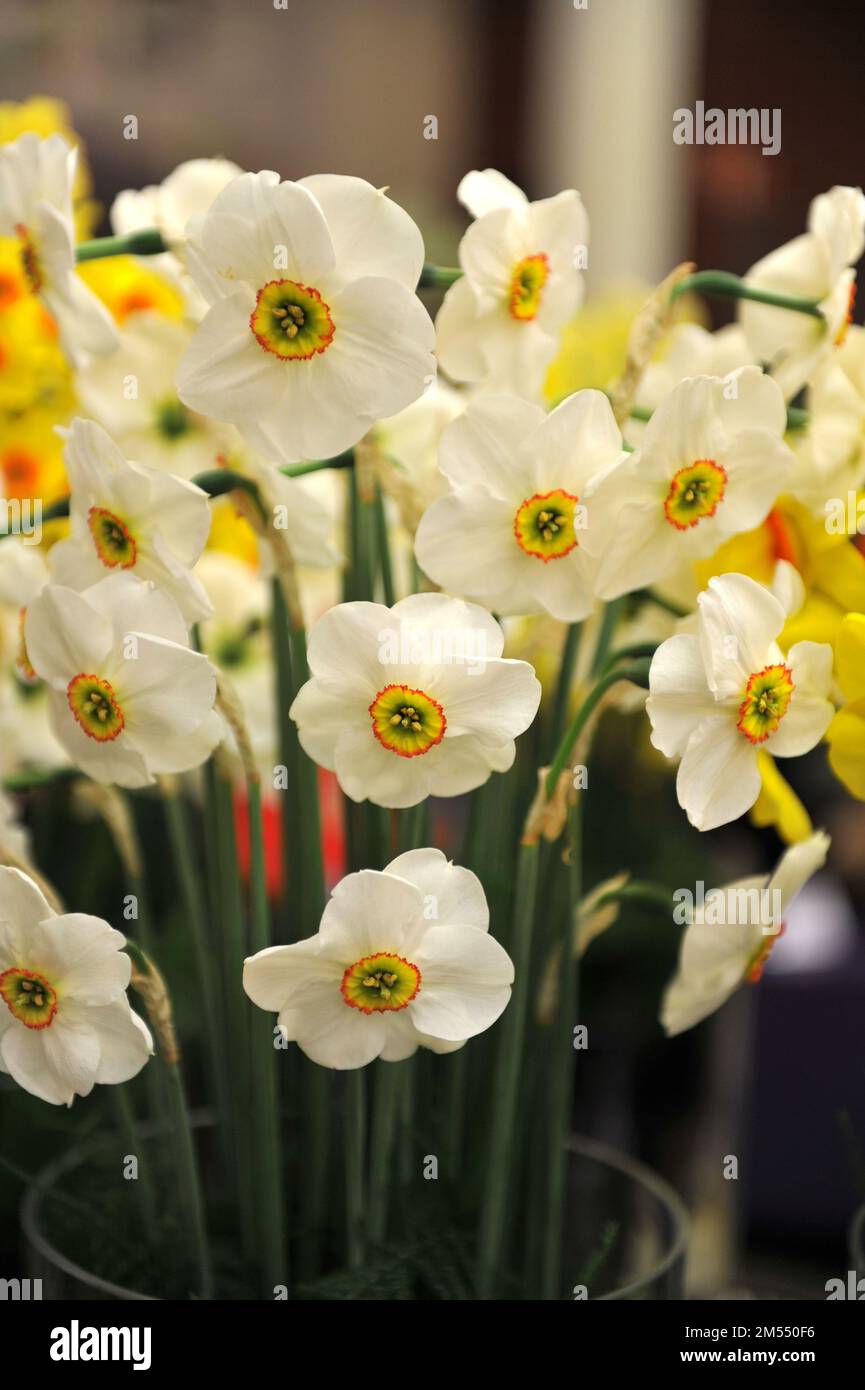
(323, 583)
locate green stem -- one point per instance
(566, 676)
(638, 673)
(383, 546)
(189, 879)
(148, 242)
(439, 277)
(561, 1072)
(611, 615)
(633, 649)
(354, 1148)
(643, 894)
(189, 1186)
(128, 1128)
(388, 1082)
(723, 285)
(267, 1173)
(506, 1077)
(298, 470)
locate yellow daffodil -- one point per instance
(778, 804)
(846, 734)
(126, 287)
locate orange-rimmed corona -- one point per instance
(695, 493)
(292, 321)
(527, 285)
(407, 721)
(95, 706)
(767, 698)
(382, 983)
(544, 525)
(29, 997)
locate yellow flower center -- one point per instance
(381, 983)
(29, 259)
(695, 493)
(544, 525)
(95, 706)
(767, 697)
(115, 544)
(28, 996)
(527, 283)
(292, 321)
(407, 722)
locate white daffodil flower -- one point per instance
(36, 178)
(65, 1020)
(133, 394)
(126, 517)
(514, 531)
(237, 639)
(816, 265)
(522, 282)
(314, 330)
(414, 700)
(721, 695)
(728, 939)
(26, 737)
(711, 463)
(294, 506)
(830, 460)
(186, 194)
(690, 350)
(402, 959)
(128, 698)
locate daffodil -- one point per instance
(515, 531)
(126, 517)
(314, 331)
(402, 959)
(711, 463)
(522, 282)
(65, 1020)
(412, 701)
(133, 394)
(36, 178)
(128, 698)
(128, 287)
(818, 265)
(846, 735)
(727, 946)
(830, 455)
(721, 695)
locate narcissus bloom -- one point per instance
(36, 178)
(187, 192)
(414, 700)
(515, 529)
(711, 463)
(522, 282)
(402, 959)
(126, 517)
(65, 1020)
(314, 331)
(816, 265)
(128, 697)
(727, 945)
(721, 695)
(132, 393)
(846, 735)
(830, 454)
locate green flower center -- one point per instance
(544, 525)
(767, 697)
(115, 544)
(695, 493)
(29, 997)
(382, 983)
(95, 706)
(291, 320)
(406, 721)
(173, 419)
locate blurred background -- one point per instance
(558, 94)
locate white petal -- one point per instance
(680, 697)
(810, 712)
(259, 230)
(125, 1044)
(484, 190)
(371, 234)
(797, 865)
(278, 975)
(455, 893)
(370, 912)
(21, 902)
(65, 635)
(739, 621)
(718, 780)
(480, 448)
(24, 1058)
(465, 984)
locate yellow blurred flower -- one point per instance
(126, 287)
(779, 805)
(846, 734)
(31, 458)
(47, 116)
(831, 566)
(230, 532)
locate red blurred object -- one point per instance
(333, 835)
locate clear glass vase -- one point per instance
(625, 1231)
